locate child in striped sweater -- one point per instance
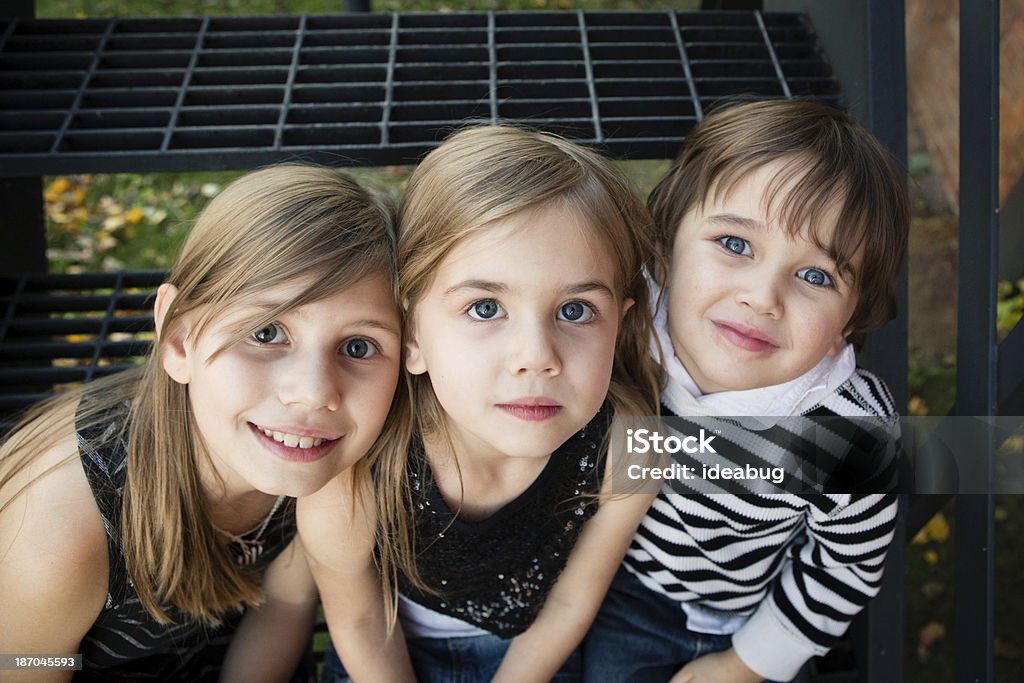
(786, 226)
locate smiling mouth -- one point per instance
(744, 338)
(293, 440)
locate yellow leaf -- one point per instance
(931, 557)
(133, 215)
(938, 528)
(114, 222)
(77, 197)
(917, 406)
(59, 185)
(105, 242)
(1014, 444)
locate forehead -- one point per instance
(310, 299)
(773, 195)
(548, 238)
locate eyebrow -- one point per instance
(731, 219)
(268, 307)
(740, 221)
(501, 288)
(375, 324)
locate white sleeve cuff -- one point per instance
(769, 647)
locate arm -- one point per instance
(272, 638)
(822, 586)
(338, 535)
(53, 559)
(538, 653)
(813, 600)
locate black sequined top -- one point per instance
(496, 573)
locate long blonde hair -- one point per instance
(486, 174)
(276, 226)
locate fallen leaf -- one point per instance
(932, 633)
(1005, 650)
(938, 528)
(917, 406)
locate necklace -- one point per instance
(248, 550)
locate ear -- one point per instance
(626, 305)
(173, 349)
(840, 341)
(414, 362)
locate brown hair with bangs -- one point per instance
(834, 167)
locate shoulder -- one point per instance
(337, 523)
(862, 394)
(53, 545)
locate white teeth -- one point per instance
(293, 440)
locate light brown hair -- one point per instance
(276, 226)
(832, 165)
(482, 175)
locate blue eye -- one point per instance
(736, 245)
(575, 312)
(359, 348)
(485, 309)
(815, 276)
(271, 334)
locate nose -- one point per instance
(310, 380)
(761, 292)
(534, 350)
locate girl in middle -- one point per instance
(521, 261)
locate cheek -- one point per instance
(815, 328)
(226, 381)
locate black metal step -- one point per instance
(62, 330)
(142, 95)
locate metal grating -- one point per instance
(61, 330)
(139, 95)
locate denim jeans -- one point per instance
(640, 636)
(454, 660)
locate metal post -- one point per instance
(22, 230)
(976, 378)
(886, 350)
(879, 652)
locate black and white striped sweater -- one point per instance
(799, 566)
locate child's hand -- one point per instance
(717, 667)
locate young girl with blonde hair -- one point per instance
(521, 260)
(146, 519)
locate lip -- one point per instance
(295, 453)
(746, 338)
(532, 408)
